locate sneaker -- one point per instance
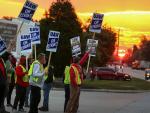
(9, 105)
(21, 110)
(43, 108)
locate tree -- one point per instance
(145, 49)
(135, 53)
(142, 53)
(60, 17)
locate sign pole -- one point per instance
(49, 60)
(88, 64)
(18, 48)
(20, 27)
(27, 62)
(15, 40)
(90, 56)
(35, 50)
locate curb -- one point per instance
(107, 90)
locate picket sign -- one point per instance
(92, 45)
(95, 27)
(96, 23)
(28, 11)
(26, 15)
(35, 37)
(52, 43)
(75, 45)
(2, 46)
(89, 56)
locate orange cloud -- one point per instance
(131, 16)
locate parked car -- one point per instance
(147, 74)
(107, 73)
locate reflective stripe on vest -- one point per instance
(67, 75)
(26, 77)
(78, 79)
(35, 78)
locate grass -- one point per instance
(134, 84)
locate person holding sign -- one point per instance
(36, 81)
(73, 79)
(76, 77)
(22, 82)
(3, 85)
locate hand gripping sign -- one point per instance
(96, 23)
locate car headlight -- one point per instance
(126, 75)
(148, 74)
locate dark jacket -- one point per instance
(3, 76)
(12, 78)
(50, 75)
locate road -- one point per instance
(132, 72)
(102, 102)
(135, 73)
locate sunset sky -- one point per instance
(130, 16)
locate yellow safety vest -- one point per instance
(35, 78)
(67, 75)
(78, 78)
(26, 77)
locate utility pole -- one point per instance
(118, 42)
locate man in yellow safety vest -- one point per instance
(76, 77)
(36, 81)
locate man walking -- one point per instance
(36, 81)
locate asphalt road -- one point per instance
(134, 72)
(102, 102)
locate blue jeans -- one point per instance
(46, 90)
(28, 96)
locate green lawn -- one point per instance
(134, 84)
